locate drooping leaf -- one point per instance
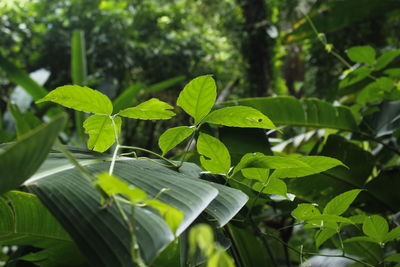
(240, 116)
(173, 137)
(215, 156)
(101, 131)
(80, 98)
(314, 164)
(311, 112)
(21, 159)
(376, 227)
(341, 203)
(152, 109)
(198, 97)
(386, 58)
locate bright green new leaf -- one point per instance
(341, 203)
(112, 185)
(215, 156)
(304, 212)
(173, 137)
(376, 227)
(220, 259)
(386, 58)
(153, 109)
(101, 131)
(259, 160)
(172, 216)
(198, 97)
(362, 54)
(259, 174)
(240, 116)
(314, 164)
(323, 235)
(80, 98)
(201, 236)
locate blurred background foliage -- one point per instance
(252, 47)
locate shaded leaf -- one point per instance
(362, 54)
(323, 235)
(386, 58)
(152, 109)
(21, 159)
(376, 227)
(355, 76)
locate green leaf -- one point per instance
(24, 122)
(376, 227)
(330, 218)
(80, 98)
(101, 131)
(220, 259)
(258, 174)
(362, 54)
(215, 156)
(314, 164)
(25, 221)
(375, 91)
(78, 57)
(284, 110)
(21, 159)
(198, 97)
(172, 216)
(393, 235)
(240, 116)
(152, 109)
(386, 58)
(22, 78)
(394, 257)
(360, 239)
(173, 137)
(201, 237)
(304, 212)
(259, 160)
(70, 198)
(355, 76)
(341, 203)
(112, 185)
(323, 235)
(273, 187)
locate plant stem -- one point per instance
(153, 153)
(187, 148)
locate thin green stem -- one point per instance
(187, 148)
(152, 153)
(72, 159)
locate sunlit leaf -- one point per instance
(305, 212)
(220, 259)
(341, 203)
(173, 137)
(112, 185)
(376, 227)
(240, 116)
(101, 132)
(152, 109)
(273, 186)
(198, 97)
(215, 156)
(172, 216)
(80, 98)
(259, 174)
